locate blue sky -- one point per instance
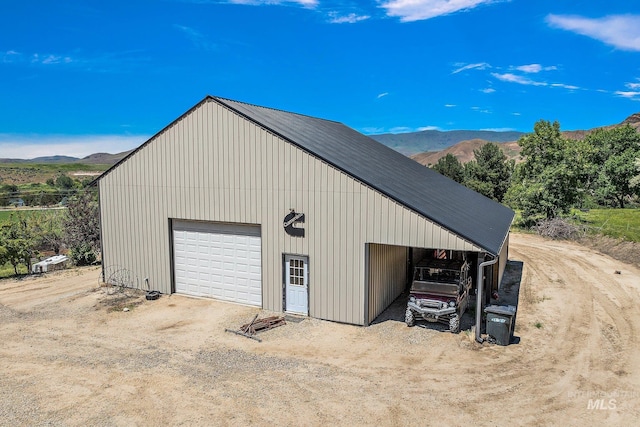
(82, 76)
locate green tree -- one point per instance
(8, 192)
(3, 252)
(18, 242)
(635, 181)
(10, 189)
(451, 167)
(46, 226)
(613, 168)
(553, 176)
(64, 182)
(490, 173)
(82, 227)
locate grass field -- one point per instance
(54, 167)
(26, 173)
(617, 223)
(5, 214)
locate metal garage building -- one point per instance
(287, 212)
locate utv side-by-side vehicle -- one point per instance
(439, 292)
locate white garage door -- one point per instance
(216, 260)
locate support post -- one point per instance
(479, 290)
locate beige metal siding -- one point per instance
(387, 276)
(213, 165)
(502, 261)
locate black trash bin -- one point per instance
(501, 322)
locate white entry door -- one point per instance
(296, 284)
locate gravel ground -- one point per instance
(71, 357)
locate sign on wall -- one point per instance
(290, 220)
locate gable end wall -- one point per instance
(214, 165)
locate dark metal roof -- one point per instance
(464, 212)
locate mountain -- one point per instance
(47, 159)
(426, 147)
(104, 158)
(435, 140)
(463, 150)
(93, 159)
(633, 120)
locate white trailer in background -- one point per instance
(57, 262)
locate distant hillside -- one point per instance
(463, 150)
(47, 159)
(633, 120)
(435, 140)
(426, 147)
(103, 158)
(93, 159)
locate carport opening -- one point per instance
(507, 293)
(396, 287)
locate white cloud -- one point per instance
(476, 66)
(499, 129)
(564, 86)
(406, 129)
(32, 146)
(516, 114)
(621, 31)
(352, 18)
(514, 78)
(382, 95)
(372, 130)
(105, 62)
(198, 39)
(481, 110)
(534, 68)
(305, 3)
(55, 59)
(488, 90)
(522, 80)
(11, 56)
(634, 95)
(417, 10)
(633, 86)
(450, 105)
(49, 59)
(400, 129)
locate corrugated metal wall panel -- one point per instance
(502, 262)
(212, 165)
(387, 276)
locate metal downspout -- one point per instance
(479, 295)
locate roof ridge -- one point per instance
(222, 99)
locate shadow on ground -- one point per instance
(508, 294)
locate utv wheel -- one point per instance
(409, 318)
(454, 324)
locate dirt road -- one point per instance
(68, 358)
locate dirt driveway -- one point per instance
(68, 358)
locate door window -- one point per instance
(296, 272)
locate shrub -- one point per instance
(83, 255)
(558, 228)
